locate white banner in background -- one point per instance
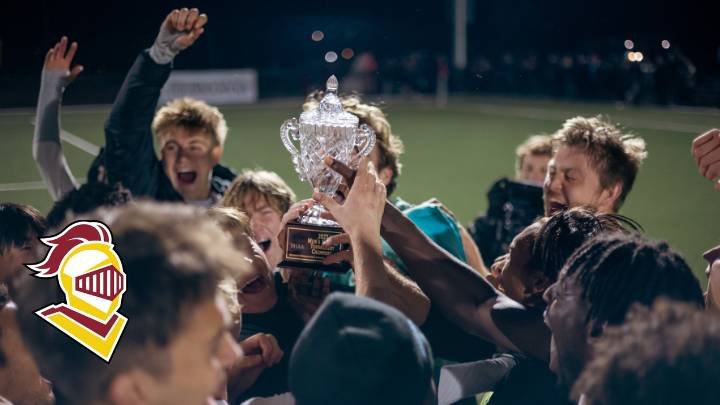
(212, 86)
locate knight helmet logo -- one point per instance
(91, 276)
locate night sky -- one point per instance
(267, 34)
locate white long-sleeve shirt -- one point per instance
(46, 148)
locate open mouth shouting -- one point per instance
(187, 177)
(265, 245)
(555, 206)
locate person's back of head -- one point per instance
(565, 231)
(359, 351)
(173, 257)
(667, 355)
(599, 284)
(86, 198)
(618, 270)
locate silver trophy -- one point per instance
(324, 131)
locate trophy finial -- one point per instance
(332, 84)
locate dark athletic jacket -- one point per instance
(129, 154)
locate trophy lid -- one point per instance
(330, 111)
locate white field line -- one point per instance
(78, 142)
(488, 109)
(74, 140)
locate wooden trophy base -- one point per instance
(303, 247)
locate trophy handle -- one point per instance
(365, 142)
(289, 129)
(289, 132)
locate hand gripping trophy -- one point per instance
(324, 131)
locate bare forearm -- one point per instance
(370, 277)
(448, 282)
(376, 279)
(407, 296)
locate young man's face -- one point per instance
(256, 291)
(20, 380)
(199, 354)
(566, 316)
(265, 222)
(189, 156)
(571, 181)
(515, 276)
(533, 168)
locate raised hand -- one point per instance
(180, 29)
(362, 210)
(59, 59)
(293, 213)
(706, 152)
(260, 351)
(307, 290)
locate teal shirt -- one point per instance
(429, 218)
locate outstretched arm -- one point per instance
(47, 150)
(462, 294)
(360, 216)
(130, 156)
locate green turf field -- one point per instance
(453, 153)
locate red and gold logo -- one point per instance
(91, 276)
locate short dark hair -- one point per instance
(18, 224)
(86, 198)
(617, 270)
(174, 257)
(565, 231)
(667, 355)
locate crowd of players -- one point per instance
(551, 297)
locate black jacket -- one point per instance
(129, 153)
(512, 206)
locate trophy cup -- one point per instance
(324, 131)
